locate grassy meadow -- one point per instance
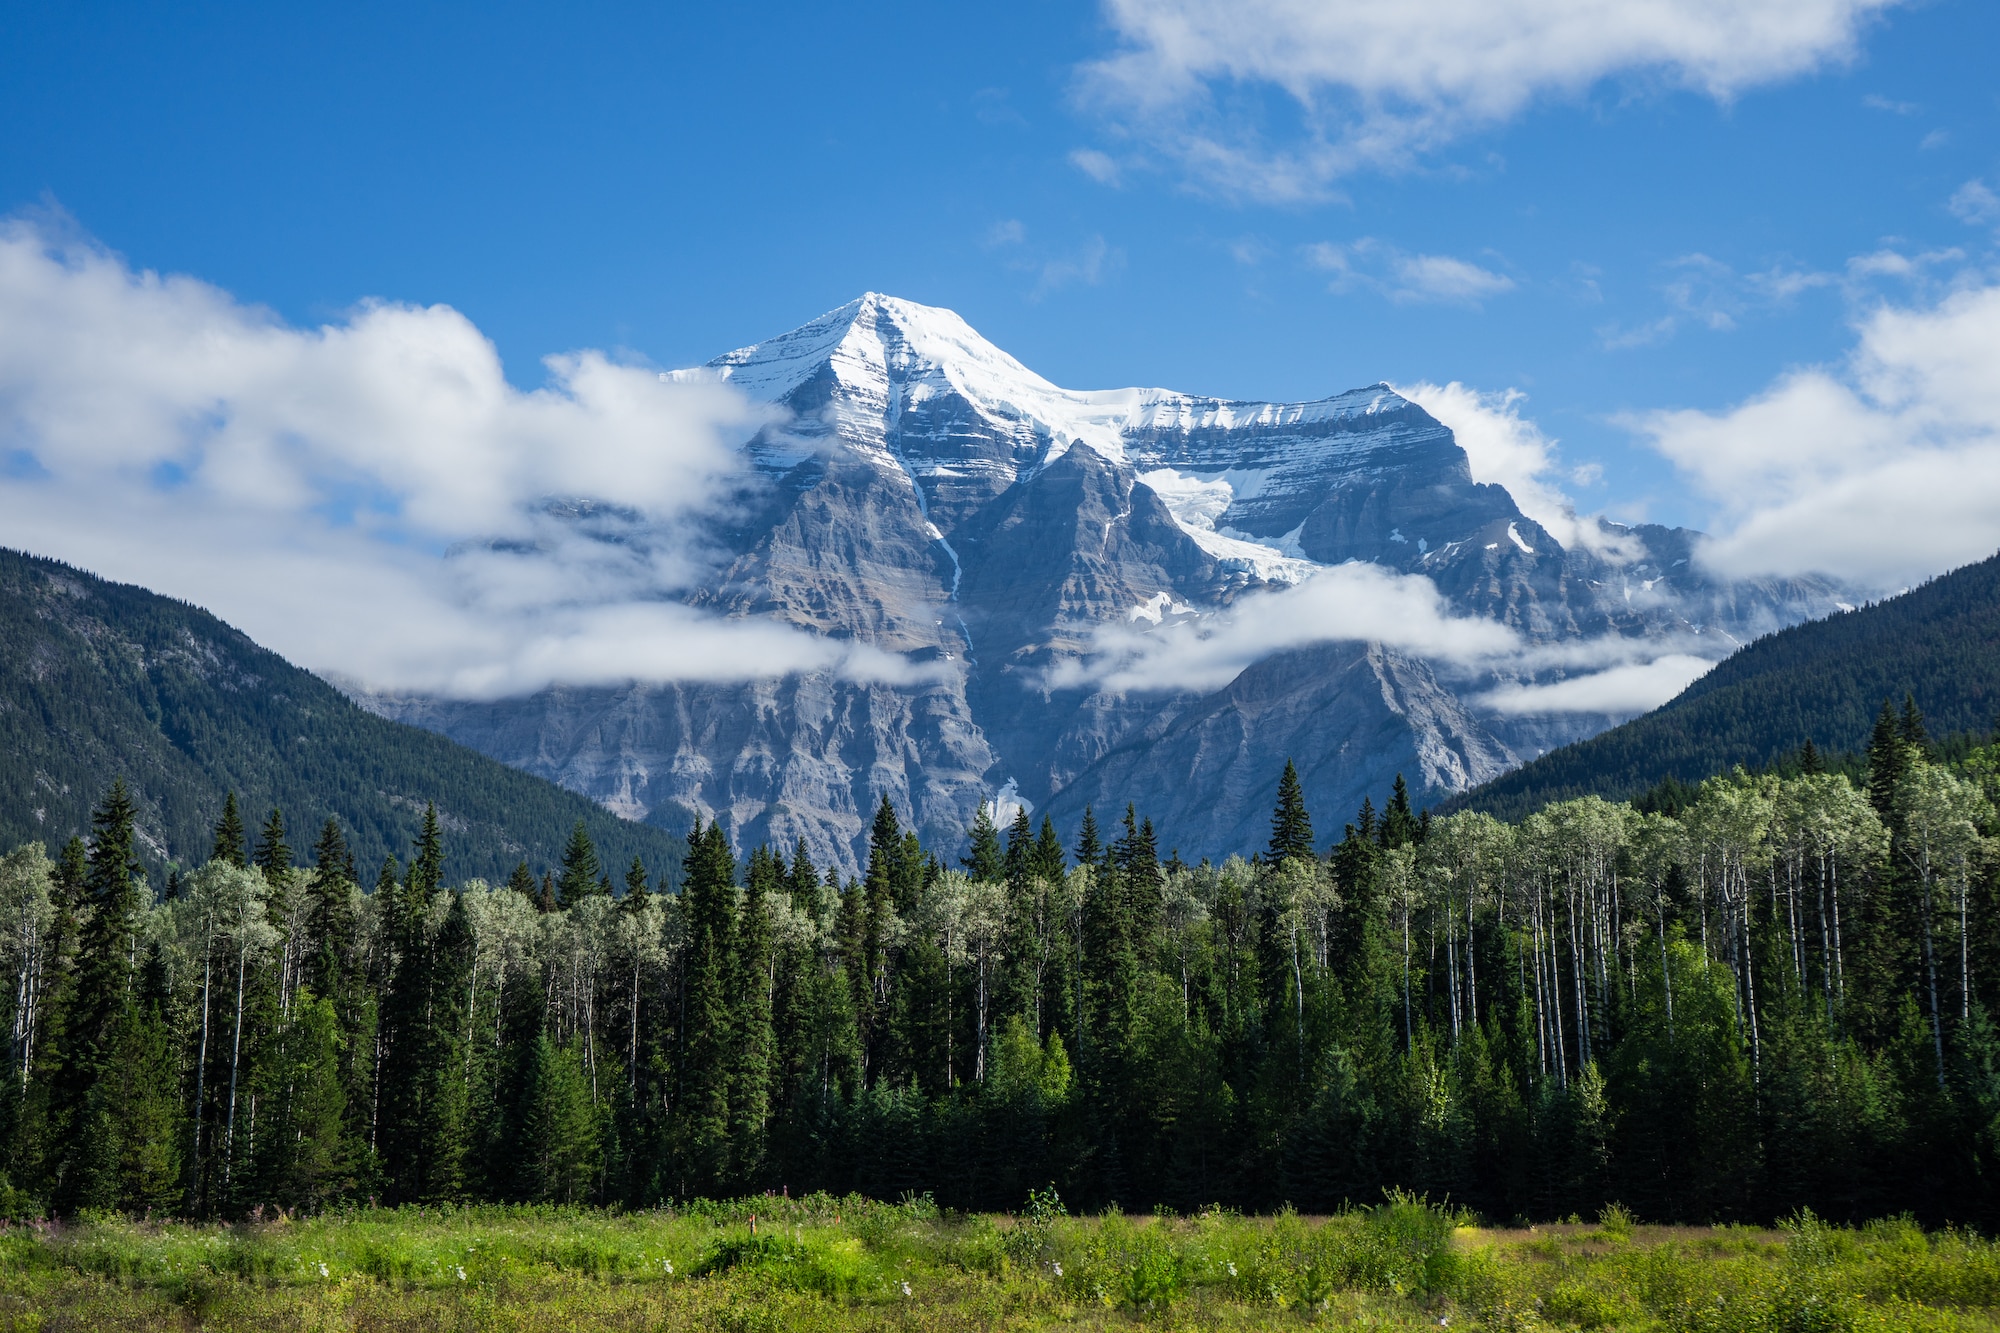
(824, 1263)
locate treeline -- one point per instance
(1777, 996)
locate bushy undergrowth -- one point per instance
(753, 1265)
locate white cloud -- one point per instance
(1975, 203)
(1507, 449)
(1370, 82)
(1442, 278)
(1353, 602)
(1881, 470)
(1619, 691)
(1403, 277)
(370, 497)
(1098, 165)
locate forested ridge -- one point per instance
(102, 679)
(1777, 998)
(1819, 681)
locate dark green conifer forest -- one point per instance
(1778, 996)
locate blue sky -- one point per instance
(1738, 259)
(676, 180)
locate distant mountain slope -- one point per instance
(100, 679)
(1824, 681)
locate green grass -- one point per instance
(823, 1263)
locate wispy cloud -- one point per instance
(1100, 166)
(1374, 86)
(1403, 277)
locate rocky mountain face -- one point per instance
(930, 496)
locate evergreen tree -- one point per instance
(1888, 760)
(272, 857)
(522, 881)
(985, 862)
(1089, 849)
(1291, 826)
(1047, 861)
(580, 870)
(86, 1108)
(752, 1038)
(559, 1136)
(636, 883)
(1399, 823)
(229, 841)
(331, 857)
(709, 910)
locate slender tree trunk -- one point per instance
(201, 1075)
(235, 1057)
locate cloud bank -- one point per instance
(1881, 470)
(1367, 83)
(371, 497)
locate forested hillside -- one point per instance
(1822, 681)
(1776, 999)
(101, 680)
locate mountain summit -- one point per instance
(927, 494)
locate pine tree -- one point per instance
(273, 856)
(1089, 850)
(522, 881)
(558, 1139)
(985, 862)
(229, 834)
(750, 1092)
(1888, 760)
(1291, 826)
(580, 870)
(331, 857)
(1399, 823)
(87, 1109)
(1047, 861)
(708, 908)
(636, 883)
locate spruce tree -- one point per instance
(1047, 861)
(985, 861)
(708, 908)
(637, 887)
(86, 1108)
(1291, 826)
(522, 881)
(331, 857)
(272, 856)
(1399, 823)
(750, 1092)
(1089, 849)
(1019, 864)
(1888, 760)
(580, 870)
(229, 834)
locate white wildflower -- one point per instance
(906, 1288)
(461, 1274)
(322, 1270)
(1058, 1268)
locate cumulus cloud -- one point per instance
(1881, 470)
(1367, 83)
(370, 497)
(1507, 449)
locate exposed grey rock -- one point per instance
(930, 496)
